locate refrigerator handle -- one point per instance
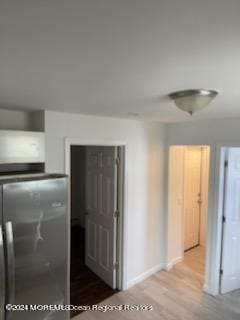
(10, 262)
(2, 276)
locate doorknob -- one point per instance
(199, 201)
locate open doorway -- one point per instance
(188, 207)
(96, 205)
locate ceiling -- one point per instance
(119, 57)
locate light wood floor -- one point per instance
(174, 295)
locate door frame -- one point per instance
(122, 199)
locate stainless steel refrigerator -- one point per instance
(33, 246)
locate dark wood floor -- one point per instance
(86, 287)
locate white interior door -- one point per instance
(101, 194)
(192, 193)
(230, 279)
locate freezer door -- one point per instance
(2, 264)
(36, 228)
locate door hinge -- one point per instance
(116, 214)
(116, 266)
(225, 163)
(117, 161)
(223, 219)
(221, 272)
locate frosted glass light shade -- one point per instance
(193, 100)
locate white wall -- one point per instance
(14, 120)
(145, 171)
(21, 120)
(204, 132)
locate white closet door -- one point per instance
(101, 193)
(230, 279)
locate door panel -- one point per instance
(101, 193)
(36, 211)
(92, 240)
(192, 196)
(230, 279)
(104, 239)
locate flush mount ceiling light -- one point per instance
(193, 100)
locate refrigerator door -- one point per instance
(2, 264)
(36, 227)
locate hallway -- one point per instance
(174, 295)
(194, 259)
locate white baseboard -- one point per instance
(169, 265)
(208, 290)
(144, 275)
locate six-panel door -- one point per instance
(230, 279)
(101, 193)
